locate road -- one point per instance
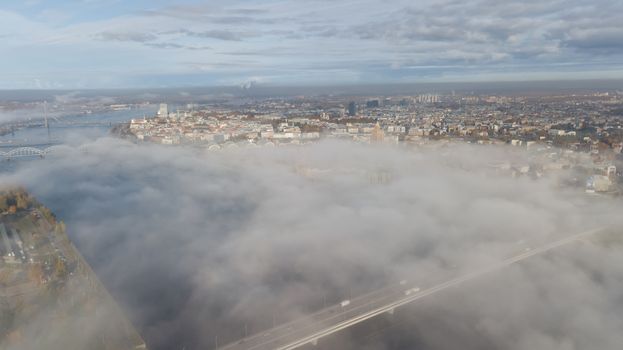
(337, 317)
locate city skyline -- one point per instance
(115, 44)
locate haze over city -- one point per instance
(256, 175)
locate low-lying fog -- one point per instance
(194, 244)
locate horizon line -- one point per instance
(259, 85)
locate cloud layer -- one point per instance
(196, 244)
(99, 44)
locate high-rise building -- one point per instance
(427, 98)
(378, 135)
(372, 104)
(163, 112)
(352, 109)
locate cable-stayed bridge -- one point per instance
(351, 312)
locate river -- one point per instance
(72, 130)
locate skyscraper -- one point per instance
(372, 104)
(352, 109)
(163, 112)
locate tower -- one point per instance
(163, 112)
(352, 109)
(377, 134)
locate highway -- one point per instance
(346, 314)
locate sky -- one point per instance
(73, 44)
(195, 244)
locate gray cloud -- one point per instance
(216, 34)
(169, 45)
(485, 37)
(215, 14)
(165, 45)
(605, 40)
(150, 40)
(249, 11)
(126, 36)
(533, 32)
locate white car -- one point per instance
(412, 291)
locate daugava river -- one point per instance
(67, 130)
(73, 130)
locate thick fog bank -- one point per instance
(195, 244)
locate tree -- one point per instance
(48, 215)
(10, 201)
(7, 316)
(3, 203)
(36, 273)
(59, 268)
(21, 202)
(59, 228)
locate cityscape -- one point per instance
(278, 175)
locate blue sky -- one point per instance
(118, 43)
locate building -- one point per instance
(598, 183)
(377, 136)
(372, 104)
(163, 112)
(611, 172)
(352, 109)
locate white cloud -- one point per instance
(195, 243)
(366, 37)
